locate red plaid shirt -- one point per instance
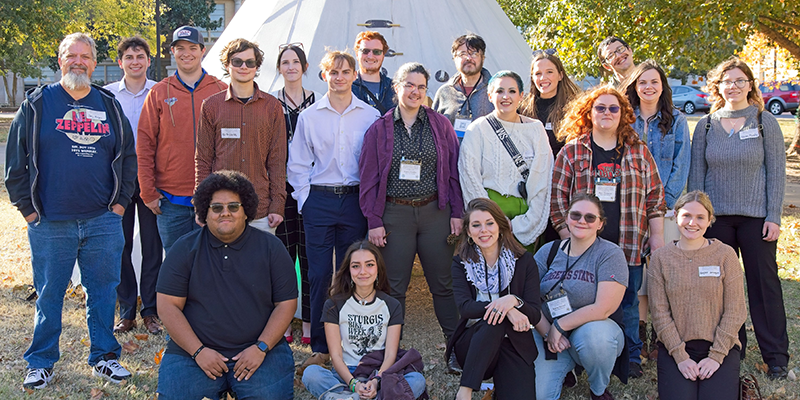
(641, 194)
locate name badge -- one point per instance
(410, 170)
(548, 126)
(231, 133)
(748, 134)
(559, 306)
(709, 271)
(461, 124)
(606, 191)
(96, 115)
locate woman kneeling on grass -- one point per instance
(362, 328)
(696, 295)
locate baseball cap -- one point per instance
(189, 34)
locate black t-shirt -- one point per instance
(543, 109)
(230, 289)
(607, 168)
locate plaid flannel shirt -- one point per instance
(641, 194)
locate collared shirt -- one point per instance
(131, 103)
(326, 147)
(416, 146)
(196, 84)
(248, 138)
(641, 194)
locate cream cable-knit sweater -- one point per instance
(484, 163)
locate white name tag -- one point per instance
(559, 306)
(231, 133)
(96, 115)
(548, 126)
(461, 125)
(606, 192)
(709, 270)
(748, 134)
(410, 170)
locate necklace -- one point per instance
(678, 245)
(733, 127)
(363, 300)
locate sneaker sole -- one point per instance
(108, 378)
(37, 387)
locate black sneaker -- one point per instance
(111, 371)
(37, 378)
(635, 370)
(777, 372)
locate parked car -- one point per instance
(690, 99)
(780, 96)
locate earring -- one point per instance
(469, 240)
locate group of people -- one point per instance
(551, 201)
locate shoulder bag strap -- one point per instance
(509, 145)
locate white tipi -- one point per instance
(416, 30)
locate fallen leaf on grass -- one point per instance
(85, 342)
(96, 394)
(141, 336)
(130, 347)
(762, 367)
(28, 391)
(157, 357)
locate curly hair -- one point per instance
(578, 119)
(233, 181)
(507, 240)
(715, 77)
(664, 101)
(342, 285)
(565, 92)
(238, 46)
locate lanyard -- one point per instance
(464, 89)
(569, 267)
(499, 278)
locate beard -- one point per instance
(76, 81)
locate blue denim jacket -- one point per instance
(672, 152)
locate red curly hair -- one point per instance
(578, 119)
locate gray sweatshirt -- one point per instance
(733, 169)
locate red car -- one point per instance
(780, 96)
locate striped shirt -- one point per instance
(249, 138)
(641, 194)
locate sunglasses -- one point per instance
(588, 217)
(217, 208)
(602, 109)
(237, 62)
(549, 52)
(287, 45)
(375, 52)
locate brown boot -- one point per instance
(124, 325)
(152, 324)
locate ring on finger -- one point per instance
(494, 310)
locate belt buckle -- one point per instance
(339, 190)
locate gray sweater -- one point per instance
(734, 171)
(450, 99)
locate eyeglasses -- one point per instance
(740, 83)
(218, 207)
(237, 62)
(470, 54)
(375, 52)
(410, 87)
(602, 109)
(549, 52)
(588, 217)
(611, 56)
(287, 45)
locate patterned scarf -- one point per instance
(476, 271)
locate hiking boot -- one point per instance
(37, 378)
(111, 371)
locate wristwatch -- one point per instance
(262, 346)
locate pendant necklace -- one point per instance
(363, 300)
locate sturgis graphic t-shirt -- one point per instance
(75, 151)
(363, 328)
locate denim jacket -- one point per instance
(672, 152)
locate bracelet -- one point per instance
(558, 327)
(196, 353)
(353, 382)
(520, 303)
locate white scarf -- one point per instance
(476, 271)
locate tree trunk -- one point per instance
(6, 88)
(781, 40)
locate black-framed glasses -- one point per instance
(611, 56)
(237, 62)
(602, 109)
(287, 45)
(739, 83)
(217, 208)
(549, 52)
(588, 217)
(410, 87)
(375, 52)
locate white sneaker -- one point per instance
(111, 371)
(340, 396)
(37, 378)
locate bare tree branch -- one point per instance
(779, 22)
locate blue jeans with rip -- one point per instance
(96, 243)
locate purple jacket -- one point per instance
(376, 161)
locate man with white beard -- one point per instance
(71, 167)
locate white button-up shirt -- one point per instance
(131, 103)
(326, 146)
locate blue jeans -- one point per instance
(174, 222)
(318, 380)
(179, 377)
(55, 245)
(630, 313)
(594, 345)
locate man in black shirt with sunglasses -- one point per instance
(372, 85)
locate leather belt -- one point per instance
(413, 202)
(336, 189)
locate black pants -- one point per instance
(152, 253)
(293, 236)
(764, 292)
(723, 385)
(485, 353)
